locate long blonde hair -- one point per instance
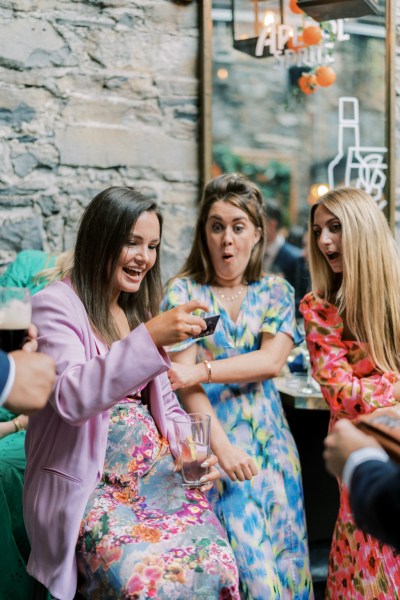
(368, 293)
(62, 267)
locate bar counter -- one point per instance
(292, 395)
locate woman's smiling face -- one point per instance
(327, 231)
(138, 255)
(230, 236)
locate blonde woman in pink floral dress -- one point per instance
(352, 323)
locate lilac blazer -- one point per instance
(66, 441)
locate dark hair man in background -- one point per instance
(280, 256)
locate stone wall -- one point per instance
(94, 94)
(98, 93)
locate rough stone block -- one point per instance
(30, 42)
(21, 234)
(112, 147)
(21, 113)
(163, 16)
(144, 52)
(111, 110)
(24, 164)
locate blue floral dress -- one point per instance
(264, 518)
(144, 536)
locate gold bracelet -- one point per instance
(17, 425)
(209, 372)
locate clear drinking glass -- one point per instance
(309, 387)
(15, 317)
(192, 432)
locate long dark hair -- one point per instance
(242, 193)
(104, 229)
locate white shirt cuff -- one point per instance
(358, 457)
(10, 381)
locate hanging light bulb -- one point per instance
(322, 189)
(316, 191)
(269, 18)
(222, 73)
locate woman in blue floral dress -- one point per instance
(229, 375)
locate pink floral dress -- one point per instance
(360, 567)
(144, 536)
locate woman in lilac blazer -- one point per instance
(110, 363)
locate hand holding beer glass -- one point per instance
(192, 432)
(15, 317)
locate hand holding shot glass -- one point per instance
(192, 433)
(15, 317)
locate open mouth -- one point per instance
(132, 272)
(331, 256)
(227, 255)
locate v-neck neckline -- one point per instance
(218, 301)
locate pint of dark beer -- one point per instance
(15, 317)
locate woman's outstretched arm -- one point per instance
(254, 366)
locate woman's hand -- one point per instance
(181, 375)
(177, 324)
(213, 474)
(30, 343)
(22, 421)
(236, 463)
(208, 479)
(344, 439)
(396, 390)
(9, 427)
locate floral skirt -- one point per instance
(143, 535)
(360, 567)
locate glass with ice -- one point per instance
(15, 317)
(192, 432)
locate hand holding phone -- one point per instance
(211, 325)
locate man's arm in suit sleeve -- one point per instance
(7, 375)
(375, 499)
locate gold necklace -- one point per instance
(223, 296)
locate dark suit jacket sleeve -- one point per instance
(286, 262)
(4, 370)
(375, 500)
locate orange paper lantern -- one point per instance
(294, 8)
(312, 35)
(308, 83)
(325, 76)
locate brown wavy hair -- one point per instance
(242, 193)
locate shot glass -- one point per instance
(15, 317)
(192, 432)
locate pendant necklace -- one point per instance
(223, 295)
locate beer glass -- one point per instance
(192, 432)
(15, 317)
